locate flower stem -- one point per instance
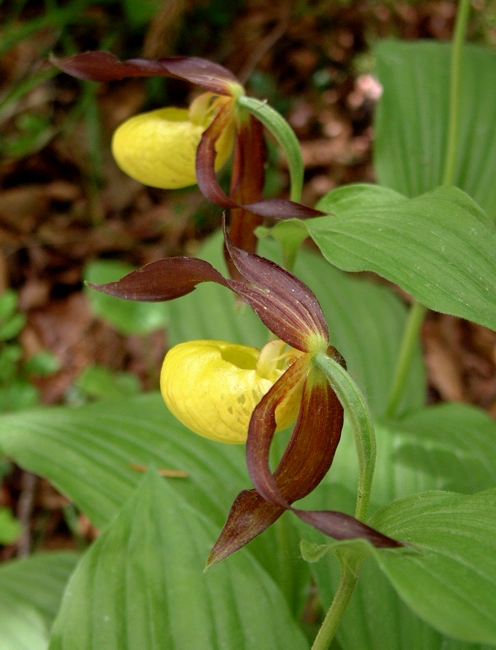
(285, 136)
(357, 411)
(346, 587)
(407, 349)
(455, 82)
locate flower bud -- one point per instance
(212, 387)
(158, 148)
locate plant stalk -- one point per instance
(455, 83)
(285, 136)
(407, 349)
(346, 587)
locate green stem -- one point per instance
(418, 311)
(407, 349)
(455, 82)
(357, 411)
(346, 587)
(285, 136)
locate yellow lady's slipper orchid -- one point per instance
(171, 148)
(213, 387)
(159, 148)
(225, 391)
(233, 392)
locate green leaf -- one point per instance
(128, 317)
(449, 576)
(412, 119)
(30, 594)
(446, 447)
(453, 443)
(88, 452)
(10, 354)
(376, 618)
(11, 327)
(43, 363)
(100, 382)
(449, 447)
(139, 13)
(366, 322)
(18, 396)
(10, 527)
(141, 586)
(350, 198)
(439, 247)
(8, 304)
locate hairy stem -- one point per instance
(358, 414)
(346, 587)
(285, 136)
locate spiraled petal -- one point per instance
(247, 182)
(311, 449)
(208, 184)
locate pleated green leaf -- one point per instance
(445, 447)
(30, 594)
(89, 452)
(449, 576)
(141, 585)
(412, 119)
(377, 618)
(366, 322)
(439, 247)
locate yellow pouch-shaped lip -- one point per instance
(212, 387)
(158, 148)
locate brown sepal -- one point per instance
(342, 526)
(205, 159)
(312, 446)
(281, 300)
(249, 516)
(304, 464)
(104, 66)
(247, 182)
(162, 280)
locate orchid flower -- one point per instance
(173, 147)
(229, 380)
(211, 376)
